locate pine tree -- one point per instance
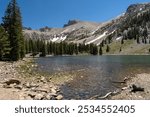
(4, 44)
(44, 49)
(12, 23)
(27, 46)
(137, 39)
(76, 49)
(120, 49)
(122, 41)
(107, 48)
(100, 50)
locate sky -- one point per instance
(55, 13)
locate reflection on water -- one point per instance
(96, 73)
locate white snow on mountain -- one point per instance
(99, 37)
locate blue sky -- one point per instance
(55, 13)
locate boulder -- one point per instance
(53, 90)
(59, 97)
(39, 96)
(136, 88)
(12, 81)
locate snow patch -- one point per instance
(61, 38)
(99, 37)
(94, 31)
(119, 38)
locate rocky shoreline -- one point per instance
(140, 92)
(18, 83)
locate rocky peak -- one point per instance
(71, 22)
(134, 8)
(45, 29)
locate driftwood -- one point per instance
(136, 89)
(105, 96)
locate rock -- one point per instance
(39, 97)
(52, 94)
(40, 90)
(34, 85)
(48, 97)
(53, 90)
(28, 98)
(7, 86)
(43, 79)
(27, 85)
(18, 87)
(59, 97)
(124, 88)
(12, 81)
(136, 89)
(32, 94)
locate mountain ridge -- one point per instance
(132, 24)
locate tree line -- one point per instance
(44, 48)
(12, 45)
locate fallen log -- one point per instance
(105, 96)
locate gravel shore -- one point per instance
(140, 80)
(18, 82)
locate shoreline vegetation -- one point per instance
(30, 85)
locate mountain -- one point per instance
(128, 33)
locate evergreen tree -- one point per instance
(44, 50)
(12, 23)
(120, 49)
(122, 41)
(100, 50)
(137, 39)
(95, 50)
(4, 43)
(76, 49)
(107, 48)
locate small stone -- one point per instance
(32, 94)
(33, 85)
(59, 97)
(6, 86)
(48, 97)
(53, 90)
(27, 85)
(12, 85)
(28, 98)
(43, 79)
(39, 97)
(53, 94)
(18, 87)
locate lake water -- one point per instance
(95, 75)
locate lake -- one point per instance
(95, 75)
